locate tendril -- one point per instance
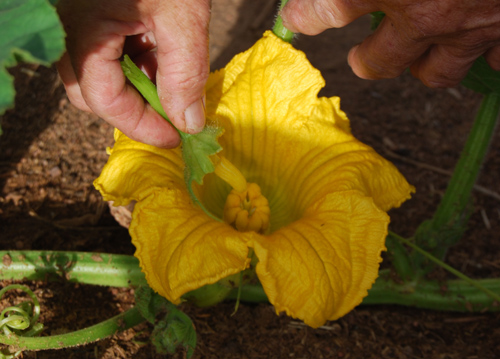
(20, 320)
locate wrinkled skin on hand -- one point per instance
(100, 32)
(437, 39)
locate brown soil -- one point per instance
(50, 153)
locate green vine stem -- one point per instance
(400, 258)
(111, 270)
(453, 295)
(424, 294)
(469, 165)
(448, 223)
(120, 322)
(279, 30)
(450, 269)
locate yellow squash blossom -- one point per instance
(315, 197)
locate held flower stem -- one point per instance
(281, 31)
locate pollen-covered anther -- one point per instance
(247, 210)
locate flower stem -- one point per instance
(467, 170)
(146, 88)
(120, 322)
(112, 270)
(279, 30)
(399, 256)
(448, 223)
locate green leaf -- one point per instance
(149, 303)
(196, 152)
(196, 149)
(31, 32)
(175, 330)
(482, 78)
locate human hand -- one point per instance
(100, 32)
(437, 39)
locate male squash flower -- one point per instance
(307, 198)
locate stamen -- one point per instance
(246, 209)
(229, 173)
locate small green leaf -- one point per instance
(31, 32)
(482, 78)
(196, 149)
(196, 152)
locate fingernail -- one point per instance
(195, 117)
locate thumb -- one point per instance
(182, 53)
(312, 17)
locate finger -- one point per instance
(385, 54)
(105, 91)
(311, 17)
(492, 56)
(444, 66)
(183, 65)
(71, 85)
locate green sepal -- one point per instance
(173, 329)
(196, 148)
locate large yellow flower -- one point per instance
(319, 249)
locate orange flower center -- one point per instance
(246, 209)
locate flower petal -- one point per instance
(296, 146)
(135, 170)
(180, 248)
(320, 267)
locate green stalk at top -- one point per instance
(467, 170)
(146, 88)
(279, 30)
(448, 223)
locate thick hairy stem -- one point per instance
(111, 270)
(281, 31)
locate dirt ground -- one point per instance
(50, 153)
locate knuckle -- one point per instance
(188, 81)
(331, 13)
(186, 73)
